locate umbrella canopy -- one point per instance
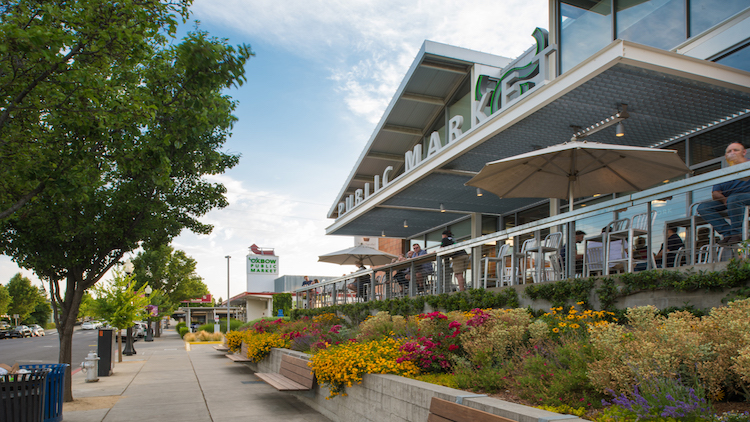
(576, 169)
(355, 254)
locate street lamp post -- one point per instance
(149, 336)
(228, 295)
(129, 349)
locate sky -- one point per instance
(323, 73)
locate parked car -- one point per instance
(88, 325)
(36, 330)
(20, 331)
(139, 330)
(4, 325)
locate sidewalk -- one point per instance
(166, 383)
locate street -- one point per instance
(33, 350)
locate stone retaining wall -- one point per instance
(390, 398)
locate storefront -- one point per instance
(680, 69)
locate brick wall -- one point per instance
(393, 246)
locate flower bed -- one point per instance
(579, 358)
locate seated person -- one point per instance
(580, 234)
(674, 243)
(732, 197)
(401, 276)
(359, 283)
(421, 270)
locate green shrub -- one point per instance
(179, 325)
(183, 331)
(282, 301)
(250, 324)
(234, 325)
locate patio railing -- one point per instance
(432, 274)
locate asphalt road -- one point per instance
(32, 350)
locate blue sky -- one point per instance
(323, 74)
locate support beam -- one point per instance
(420, 98)
(457, 172)
(403, 129)
(446, 67)
(385, 156)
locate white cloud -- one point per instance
(294, 228)
(369, 44)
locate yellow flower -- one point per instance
(555, 330)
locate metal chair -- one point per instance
(637, 226)
(594, 260)
(501, 276)
(550, 245)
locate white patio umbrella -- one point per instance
(355, 254)
(578, 168)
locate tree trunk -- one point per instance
(119, 345)
(65, 333)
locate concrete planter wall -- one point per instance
(390, 398)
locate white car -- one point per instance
(88, 325)
(36, 330)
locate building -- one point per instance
(679, 68)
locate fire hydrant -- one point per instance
(90, 366)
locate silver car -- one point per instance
(36, 330)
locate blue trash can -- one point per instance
(55, 390)
(22, 396)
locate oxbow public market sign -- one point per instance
(259, 264)
(492, 93)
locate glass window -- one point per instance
(462, 106)
(738, 59)
(679, 147)
(509, 221)
(533, 214)
(461, 230)
(706, 13)
(585, 28)
(434, 238)
(712, 144)
(489, 224)
(656, 23)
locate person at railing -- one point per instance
(580, 234)
(732, 197)
(674, 243)
(401, 276)
(359, 283)
(421, 270)
(459, 260)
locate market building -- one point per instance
(673, 74)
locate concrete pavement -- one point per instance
(164, 382)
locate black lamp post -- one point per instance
(149, 335)
(129, 349)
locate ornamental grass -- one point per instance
(568, 358)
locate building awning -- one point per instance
(668, 95)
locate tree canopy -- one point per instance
(170, 273)
(117, 127)
(24, 297)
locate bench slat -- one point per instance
(221, 348)
(237, 358)
(460, 413)
(435, 418)
(281, 383)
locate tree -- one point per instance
(23, 297)
(57, 88)
(137, 171)
(171, 274)
(120, 303)
(41, 312)
(87, 306)
(4, 300)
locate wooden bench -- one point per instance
(294, 375)
(241, 357)
(221, 347)
(446, 411)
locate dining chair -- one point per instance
(499, 261)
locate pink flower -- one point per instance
(452, 347)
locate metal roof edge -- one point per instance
(428, 48)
